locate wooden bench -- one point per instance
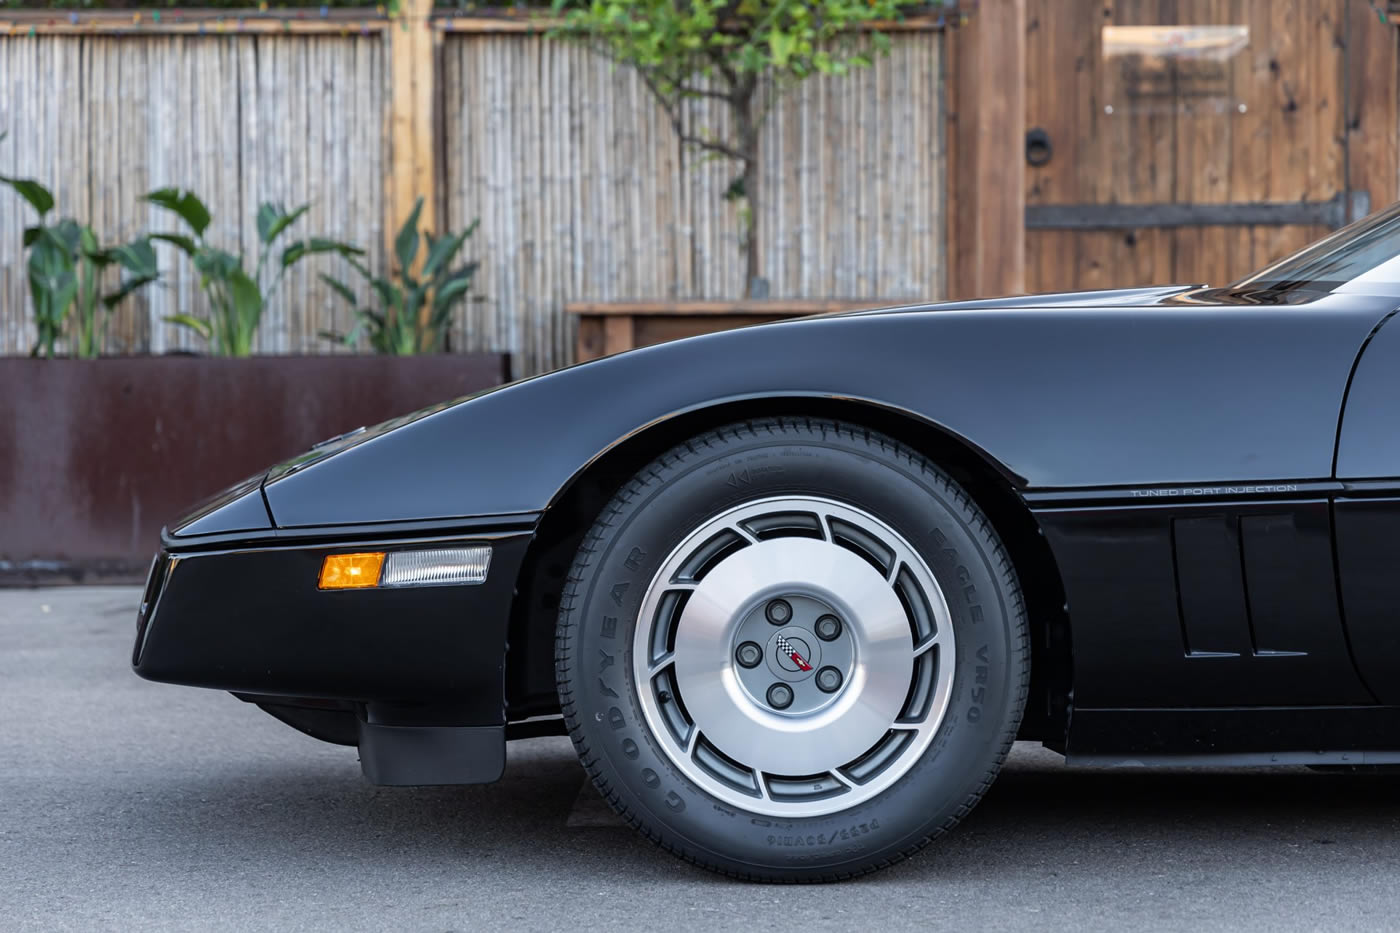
(607, 327)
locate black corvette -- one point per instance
(793, 590)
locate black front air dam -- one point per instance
(252, 620)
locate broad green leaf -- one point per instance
(303, 248)
(406, 243)
(440, 253)
(246, 313)
(137, 257)
(198, 325)
(341, 289)
(455, 287)
(68, 235)
(87, 242)
(184, 243)
(217, 263)
(185, 204)
(138, 262)
(274, 218)
(36, 194)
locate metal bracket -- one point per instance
(1334, 212)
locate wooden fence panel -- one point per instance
(239, 119)
(583, 192)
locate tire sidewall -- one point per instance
(678, 493)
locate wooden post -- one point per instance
(986, 152)
(1372, 93)
(411, 170)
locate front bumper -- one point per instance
(249, 618)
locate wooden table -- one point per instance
(607, 327)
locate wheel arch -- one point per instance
(530, 664)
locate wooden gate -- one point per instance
(1197, 140)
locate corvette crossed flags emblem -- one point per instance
(792, 653)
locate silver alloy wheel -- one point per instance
(794, 656)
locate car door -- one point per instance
(1367, 512)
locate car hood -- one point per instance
(991, 372)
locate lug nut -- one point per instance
(829, 680)
(779, 612)
(780, 696)
(748, 654)
(828, 628)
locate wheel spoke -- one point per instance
(691, 741)
(660, 664)
(761, 784)
(929, 643)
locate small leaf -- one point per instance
(217, 263)
(36, 194)
(341, 289)
(440, 253)
(185, 204)
(456, 286)
(184, 243)
(195, 324)
(303, 248)
(137, 257)
(273, 219)
(406, 243)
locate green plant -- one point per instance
(720, 50)
(236, 299)
(416, 309)
(66, 266)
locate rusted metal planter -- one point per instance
(96, 455)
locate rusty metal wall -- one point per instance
(95, 456)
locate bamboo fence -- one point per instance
(580, 187)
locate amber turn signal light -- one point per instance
(351, 571)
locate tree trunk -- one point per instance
(748, 145)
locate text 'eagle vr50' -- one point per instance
(796, 588)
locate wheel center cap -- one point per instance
(795, 653)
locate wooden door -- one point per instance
(1261, 125)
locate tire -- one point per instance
(740, 759)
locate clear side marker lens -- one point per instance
(436, 566)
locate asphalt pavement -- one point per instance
(126, 805)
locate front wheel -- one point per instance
(792, 650)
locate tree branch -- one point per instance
(710, 144)
(691, 91)
(673, 112)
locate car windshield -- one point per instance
(1361, 257)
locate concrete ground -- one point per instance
(126, 805)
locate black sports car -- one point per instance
(793, 590)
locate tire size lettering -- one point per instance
(979, 684)
(826, 839)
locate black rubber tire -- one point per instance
(757, 459)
